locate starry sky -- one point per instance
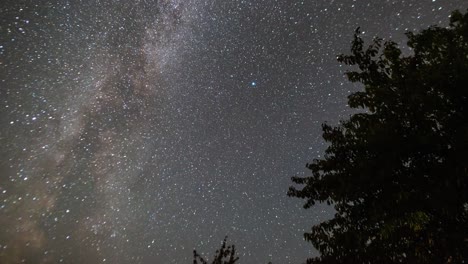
(137, 131)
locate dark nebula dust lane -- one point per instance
(136, 131)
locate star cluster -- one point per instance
(136, 131)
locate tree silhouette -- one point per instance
(224, 255)
(397, 173)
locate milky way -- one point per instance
(136, 131)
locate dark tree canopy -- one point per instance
(224, 255)
(397, 173)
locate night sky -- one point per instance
(137, 131)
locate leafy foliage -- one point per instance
(224, 255)
(397, 173)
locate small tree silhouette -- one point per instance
(224, 255)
